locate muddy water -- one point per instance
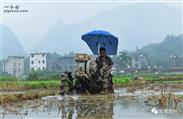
(121, 105)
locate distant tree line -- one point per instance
(158, 54)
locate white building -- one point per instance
(139, 61)
(38, 61)
(14, 66)
(51, 62)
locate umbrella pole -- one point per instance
(98, 49)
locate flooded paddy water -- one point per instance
(123, 104)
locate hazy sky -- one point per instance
(41, 16)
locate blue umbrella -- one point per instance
(99, 38)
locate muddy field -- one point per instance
(154, 101)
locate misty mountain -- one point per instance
(10, 45)
(159, 53)
(135, 25)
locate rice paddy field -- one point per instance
(156, 96)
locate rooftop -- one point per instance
(38, 53)
(21, 57)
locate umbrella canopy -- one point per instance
(97, 39)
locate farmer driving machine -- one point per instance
(87, 77)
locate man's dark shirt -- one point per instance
(107, 60)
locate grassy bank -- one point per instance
(143, 79)
(51, 86)
(29, 84)
(11, 83)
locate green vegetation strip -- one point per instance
(29, 84)
(11, 83)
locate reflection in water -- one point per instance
(99, 108)
(87, 108)
(66, 108)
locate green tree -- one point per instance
(123, 60)
(33, 75)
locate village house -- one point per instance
(139, 61)
(51, 62)
(176, 61)
(176, 64)
(14, 66)
(43, 61)
(38, 61)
